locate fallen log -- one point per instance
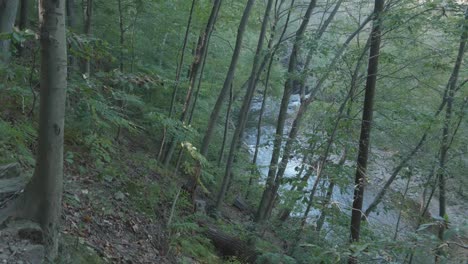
(228, 245)
(242, 205)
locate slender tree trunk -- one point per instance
(228, 80)
(42, 196)
(23, 21)
(88, 16)
(270, 193)
(8, 10)
(284, 214)
(171, 148)
(445, 143)
(71, 13)
(403, 198)
(450, 88)
(197, 92)
(288, 88)
(364, 140)
(259, 129)
(71, 24)
(199, 56)
(226, 127)
(352, 94)
(270, 190)
(245, 106)
(121, 35)
(201, 50)
(267, 57)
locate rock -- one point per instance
(33, 254)
(9, 171)
(32, 234)
(19, 242)
(12, 185)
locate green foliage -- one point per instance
(275, 258)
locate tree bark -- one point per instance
(23, 21)
(364, 140)
(228, 80)
(71, 13)
(270, 189)
(87, 31)
(450, 88)
(198, 59)
(172, 146)
(42, 196)
(226, 127)
(245, 106)
(445, 143)
(288, 88)
(8, 10)
(267, 78)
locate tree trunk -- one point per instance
(201, 50)
(71, 13)
(352, 94)
(450, 88)
(7, 20)
(42, 196)
(87, 31)
(270, 190)
(268, 194)
(445, 143)
(245, 106)
(172, 146)
(198, 59)
(71, 24)
(23, 21)
(228, 80)
(226, 128)
(267, 78)
(364, 140)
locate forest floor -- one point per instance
(118, 211)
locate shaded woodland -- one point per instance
(233, 131)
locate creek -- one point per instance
(386, 215)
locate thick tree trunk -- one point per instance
(228, 80)
(364, 140)
(245, 106)
(268, 194)
(42, 196)
(8, 10)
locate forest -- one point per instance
(233, 131)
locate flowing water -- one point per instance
(380, 168)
